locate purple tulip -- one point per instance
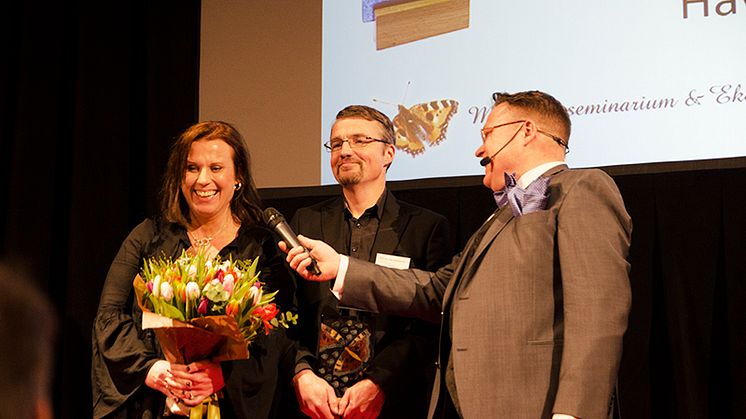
(202, 308)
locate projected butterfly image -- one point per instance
(344, 352)
(424, 123)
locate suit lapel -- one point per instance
(391, 227)
(332, 222)
(503, 216)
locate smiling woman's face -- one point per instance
(209, 180)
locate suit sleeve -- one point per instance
(593, 238)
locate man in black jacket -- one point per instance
(354, 363)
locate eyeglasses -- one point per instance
(487, 130)
(356, 141)
(557, 140)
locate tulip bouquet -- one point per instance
(205, 308)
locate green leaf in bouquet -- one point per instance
(267, 298)
(171, 312)
(251, 271)
(240, 291)
(154, 303)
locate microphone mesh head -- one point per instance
(272, 217)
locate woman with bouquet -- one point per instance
(209, 204)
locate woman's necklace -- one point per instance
(204, 241)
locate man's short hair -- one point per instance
(544, 105)
(369, 114)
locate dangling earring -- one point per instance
(237, 185)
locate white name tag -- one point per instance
(392, 261)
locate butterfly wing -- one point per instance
(424, 122)
(437, 114)
(355, 355)
(410, 133)
(329, 338)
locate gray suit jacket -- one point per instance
(535, 321)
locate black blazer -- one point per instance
(403, 365)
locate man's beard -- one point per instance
(350, 178)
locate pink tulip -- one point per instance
(167, 292)
(228, 284)
(192, 290)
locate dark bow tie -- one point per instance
(523, 201)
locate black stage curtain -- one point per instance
(91, 96)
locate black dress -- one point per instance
(123, 352)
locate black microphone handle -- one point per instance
(289, 237)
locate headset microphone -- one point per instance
(486, 160)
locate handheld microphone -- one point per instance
(277, 222)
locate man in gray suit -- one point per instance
(534, 309)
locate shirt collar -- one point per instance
(377, 208)
(533, 174)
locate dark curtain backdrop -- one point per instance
(92, 95)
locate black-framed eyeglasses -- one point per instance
(356, 141)
(487, 130)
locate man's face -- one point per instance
(361, 165)
(507, 136)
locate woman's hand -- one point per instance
(201, 379)
(188, 384)
(161, 379)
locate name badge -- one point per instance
(392, 261)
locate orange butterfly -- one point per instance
(423, 123)
(345, 349)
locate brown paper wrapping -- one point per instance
(211, 337)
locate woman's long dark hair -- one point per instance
(245, 205)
